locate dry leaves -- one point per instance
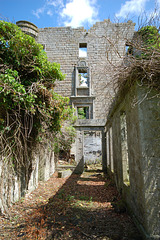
(77, 207)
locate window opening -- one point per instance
(83, 77)
(124, 147)
(129, 49)
(83, 112)
(107, 147)
(111, 150)
(44, 46)
(83, 50)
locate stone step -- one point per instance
(65, 167)
(64, 173)
(65, 170)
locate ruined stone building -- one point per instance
(125, 135)
(87, 59)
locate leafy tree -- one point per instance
(64, 140)
(150, 36)
(148, 39)
(29, 108)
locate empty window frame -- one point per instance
(128, 49)
(108, 149)
(111, 149)
(124, 148)
(44, 47)
(83, 50)
(83, 77)
(83, 112)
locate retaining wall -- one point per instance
(14, 183)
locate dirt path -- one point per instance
(78, 207)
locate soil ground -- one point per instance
(78, 207)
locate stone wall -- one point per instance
(14, 183)
(28, 28)
(133, 154)
(102, 40)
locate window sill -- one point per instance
(82, 87)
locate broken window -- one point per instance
(83, 77)
(82, 50)
(83, 112)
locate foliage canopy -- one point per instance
(29, 108)
(150, 36)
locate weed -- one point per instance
(70, 198)
(61, 194)
(85, 198)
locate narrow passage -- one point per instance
(78, 207)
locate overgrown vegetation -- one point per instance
(150, 37)
(82, 112)
(142, 60)
(30, 110)
(64, 140)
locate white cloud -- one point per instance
(132, 7)
(55, 3)
(73, 13)
(78, 12)
(49, 12)
(48, 7)
(39, 11)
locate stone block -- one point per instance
(64, 173)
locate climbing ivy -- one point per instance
(142, 60)
(150, 36)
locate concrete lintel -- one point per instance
(82, 99)
(96, 123)
(89, 128)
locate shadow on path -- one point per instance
(78, 207)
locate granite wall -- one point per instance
(15, 183)
(103, 41)
(133, 154)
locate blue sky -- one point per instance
(74, 13)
